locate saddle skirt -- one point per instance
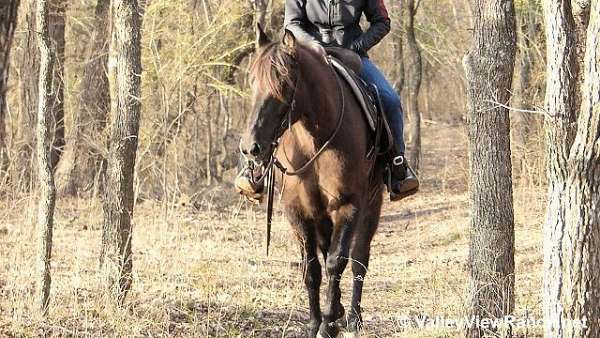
(370, 102)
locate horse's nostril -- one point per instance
(255, 149)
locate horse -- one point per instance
(307, 118)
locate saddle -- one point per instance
(347, 65)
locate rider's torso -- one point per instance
(335, 22)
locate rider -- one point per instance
(330, 23)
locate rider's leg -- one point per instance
(404, 182)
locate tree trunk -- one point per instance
(489, 69)
(84, 150)
(124, 78)
(22, 169)
(397, 45)
(572, 229)
(8, 22)
(523, 97)
(56, 26)
(47, 192)
(29, 89)
(413, 85)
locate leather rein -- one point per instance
(269, 175)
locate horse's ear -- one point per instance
(289, 40)
(261, 37)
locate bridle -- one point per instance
(286, 123)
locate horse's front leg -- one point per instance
(343, 219)
(360, 254)
(311, 270)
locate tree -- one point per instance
(398, 45)
(572, 228)
(524, 89)
(413, 84)
(124, 79)
(8, 22)
(22, 159)
(47, 192)
(56, 27)
(29, 87)
(83, 155)
(489, 66)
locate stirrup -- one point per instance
(398, 160)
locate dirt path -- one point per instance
(203, 273)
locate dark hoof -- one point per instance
(329, 330)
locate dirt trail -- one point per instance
(204, 273)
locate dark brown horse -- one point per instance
(310, 119)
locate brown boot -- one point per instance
(246, 185)
(402, 181)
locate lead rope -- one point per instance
(270, 198)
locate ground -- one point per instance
(200, 269)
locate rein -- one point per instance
(270, 173)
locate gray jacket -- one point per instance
(337, 22)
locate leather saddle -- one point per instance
(348, 65)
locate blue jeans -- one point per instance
(390, 99)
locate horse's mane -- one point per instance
(273, 68)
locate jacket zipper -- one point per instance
(329, 14)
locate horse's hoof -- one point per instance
(329, 330)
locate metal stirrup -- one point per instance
(398, 160)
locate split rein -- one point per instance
(269, 172)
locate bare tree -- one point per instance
(8, 22)
(29, 88)
(572, 229)
(524, 91)
(56, 27)
(413, 72)
(47, 192)
(22, 159)
(489, 67)
(124, 79)
(398, 45)
(83, 155)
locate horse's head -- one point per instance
(274, 79)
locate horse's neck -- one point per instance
(319, 108)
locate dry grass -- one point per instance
(203, 272)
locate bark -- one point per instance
(22, 169)
(84, 150)
(124, 78)
(413, 70)
(489, 67)
(259, 8)
(8, 22)
(56, 27)
(523, 93)
(397, 45)
(29, 89)
(572, 229)
(44, 157)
